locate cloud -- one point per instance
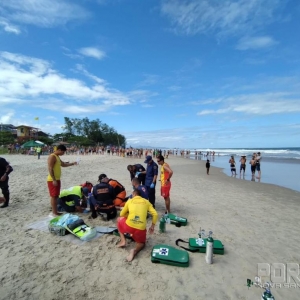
(32, 82)
(253, 43)
(257, 104)
(9, 27)
(147, 105)
(89, 75)
(150, 79)
(42, 13)
(174, 88)
(227, 135)
(226, 17)
(68, 52)
(92, 52)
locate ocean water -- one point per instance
(275, 153)
(280, 166)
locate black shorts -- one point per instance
(253, 169)
(243, 167)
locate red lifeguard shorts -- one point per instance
(138, 235)
(54, 191)
(165, 190)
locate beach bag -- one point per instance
(55, 228)
(168, 255)
(81, 230)
(199, 245)
(72, 224)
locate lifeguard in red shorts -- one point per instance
(136, 222)
(165, 176)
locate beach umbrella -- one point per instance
(30, 144)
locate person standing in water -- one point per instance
(232, 166)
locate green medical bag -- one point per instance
(169, 255)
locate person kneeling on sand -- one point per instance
(119, 190)
(70, 199)
(102, 200)
(141, 188)
(136, 222)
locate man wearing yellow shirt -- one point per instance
(53, 179)
(136, 222)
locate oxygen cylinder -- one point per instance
(209, 249)
(162, 224)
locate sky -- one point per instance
(164, 73)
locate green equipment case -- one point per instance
(177, 221)
(165, 254)
(199, 245)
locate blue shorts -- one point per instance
(257, 167)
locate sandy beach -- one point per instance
(257, 223)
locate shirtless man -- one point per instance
(258, 158)
(232, 166)
(243, 165)
(253, 166)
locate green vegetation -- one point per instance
(3, 150)
(81, 132)
(6, 138)
(85, 132)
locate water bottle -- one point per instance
(168, 220)
(202, 234)
(209, 249)
(162, 224)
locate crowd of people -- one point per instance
(108, 195)
(254, 163)
(105, 198)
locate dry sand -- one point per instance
(256, 222)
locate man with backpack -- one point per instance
(119, 190)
